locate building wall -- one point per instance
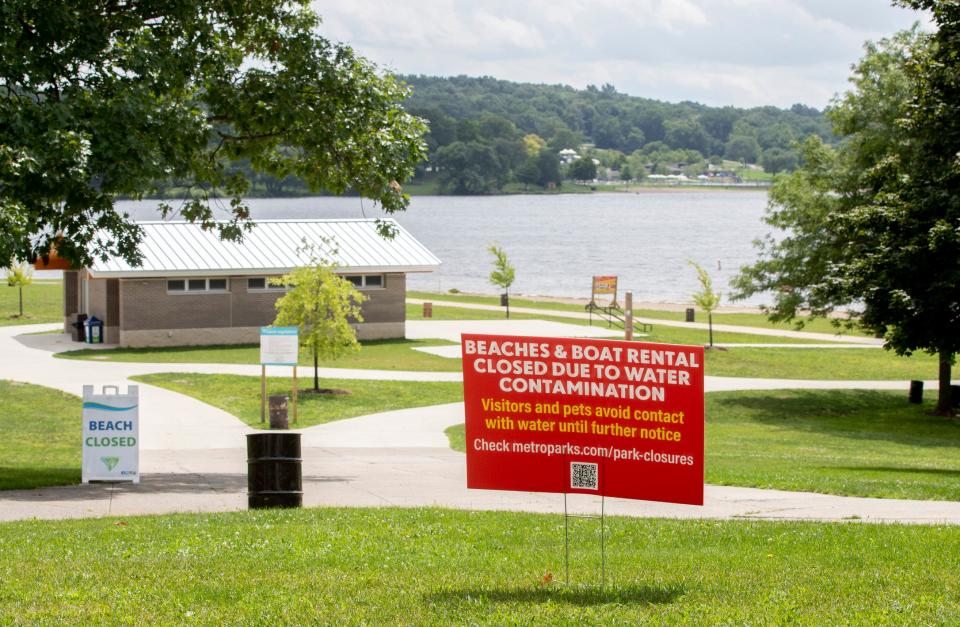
(71, 298)
(150, 316)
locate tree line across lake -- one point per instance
(486, 134)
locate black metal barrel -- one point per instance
(274, 470)
(916, 392)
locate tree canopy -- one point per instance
(495, 113)
(100, 98)
(323, 306)
(875, 223)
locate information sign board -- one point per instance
(279, 346)
(604, 285)
(111, 435)
(606, 417)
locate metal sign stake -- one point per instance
(603, 532)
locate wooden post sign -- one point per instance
(279, 346)
(604, 417)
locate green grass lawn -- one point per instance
(240, 396)
(853, 442)
(40, 431)
(389, 566)
(849, 442)
(660, 333)
(848, 364)
(819, 325)
(373, 355)
(779, 363)
(42, 302)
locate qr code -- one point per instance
(583, 476)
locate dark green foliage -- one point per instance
(582, 169)
(776, 160)
(549, 165)
(876, 223)
(485, 110)
(100, 99)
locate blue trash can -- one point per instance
(94, 330)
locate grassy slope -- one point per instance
(240, 395)
(862, 443)
(427, 566)
(375, 355)
(857, 443)
(40, 430)
(660, 333)
(819, 325)
(42, 302)
(832, 363)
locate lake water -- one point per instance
(557, 242)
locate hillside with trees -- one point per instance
(488, 135)
(485, 133)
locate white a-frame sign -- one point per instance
(111, 434)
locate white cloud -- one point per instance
(500, 30)
(742, 52)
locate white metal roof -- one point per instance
(184, 249)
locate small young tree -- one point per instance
(503, 272)
(322, 305)
(19, 276)
(706, 299)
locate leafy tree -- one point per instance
(491, 126)
(100, 99)
(533, 144)
(549, 165)
(778, 135)
(565, 138)
(503, 273)
(743, 148)
(776, 160)
(607, 133)
(687, 134)
(634, 140)
(528, 173)
(582, 169)
(875, 224)
(323, 306)
(719, 122)
(470, 168)
(19, 276)
(706, 299)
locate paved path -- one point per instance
(193, 456)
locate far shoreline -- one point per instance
(601, 189)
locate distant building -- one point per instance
(195, 289)
(568, 155)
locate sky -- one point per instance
(717, 52)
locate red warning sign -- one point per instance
(621, 419)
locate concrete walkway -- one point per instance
(193, 455)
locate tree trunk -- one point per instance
(21, 301)
(944, 404)
(710, 327)
(316, 374)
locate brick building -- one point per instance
(192, 288)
